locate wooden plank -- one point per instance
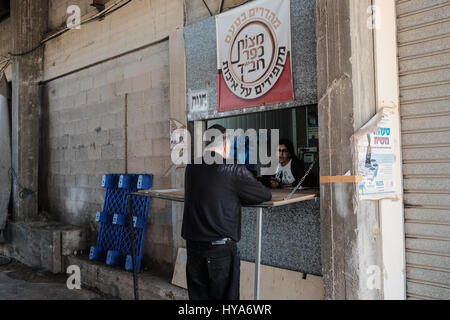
(276, 283)
(278, 196)
(179, 273)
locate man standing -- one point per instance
(212, 220)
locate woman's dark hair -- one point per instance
(289, 146)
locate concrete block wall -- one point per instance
(109, 117)
(58, 11)
(135, 25)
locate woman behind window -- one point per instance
(290, 169)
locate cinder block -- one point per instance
(108, 121)
(93, 96)
(79, 195)
(120, 120)
(131, 70)
(108, 151)
(94, 123)
(101, 167)
(69, 154)
(136, 164)
(94, 181)
(163, 217)
(117, 165)
(97, 195)
(135, 99)
(86, 84)
(81, 126)
(94, 152)
(43, 244)
(139, 116)
(70, 181)
(116, 74)
(142, 82)
(155, 165)
(160, 78)
(159, 234)
(64, 167)
(136, 133)
(117, 134)
(67, 128)
(123, 86)
(100, 137)
(82, 167)
(82, 180)
(163, 252)
(81, 154)
(116, 104)
(161, 147)
(100, 109)
(162, 182)
(107, 92)
(58, 180)
(100, 80)
(140, 148)
(157, 130)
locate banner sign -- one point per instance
(254, 55)
(374, 145)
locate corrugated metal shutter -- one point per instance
(424, 63)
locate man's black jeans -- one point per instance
(212, 271)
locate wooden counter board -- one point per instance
(278, 196)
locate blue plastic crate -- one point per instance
(114, 239)
(145, 181)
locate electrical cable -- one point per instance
(2, 69)
(238, 5)
(23, 192)
(101, 14)
(4, 263)
(210, 13)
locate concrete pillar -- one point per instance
(350, 230)
(177, 112)
(29, 24)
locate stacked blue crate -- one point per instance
(114, 238)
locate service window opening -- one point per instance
(299, 125)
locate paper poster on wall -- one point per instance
(374, 145)
(254, 55)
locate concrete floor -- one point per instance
(20, 282)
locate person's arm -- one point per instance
(250, 190)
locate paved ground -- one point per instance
(19, 282)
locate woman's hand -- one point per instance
(274, 184)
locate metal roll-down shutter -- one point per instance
(423, 31)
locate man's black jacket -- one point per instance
(213, 197)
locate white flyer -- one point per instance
(374, 145)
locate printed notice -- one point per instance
(376, 159)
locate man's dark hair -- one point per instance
(289, 145)
(217, 127)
